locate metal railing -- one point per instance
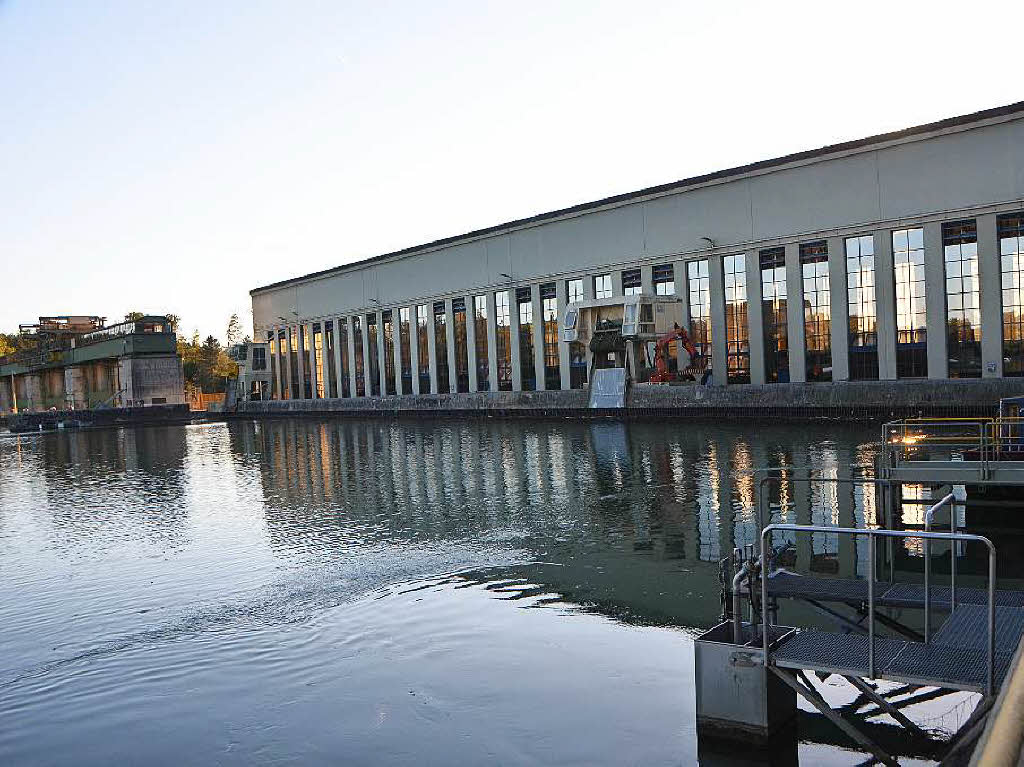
(906, 442)
(928, 515)
(872, 535)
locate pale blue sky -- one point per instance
(169, 156)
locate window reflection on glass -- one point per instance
(664, 280)
(441, 348)
(860, 289)
(737, 338)
(483, 368)
(963, 298)
(346, 387)
(503, 340)
(357, 339)
(603, 286)
(373, 353)
(388, 331)
(574, 290)
(911, 313)
(549, 312)
(527, 366)
(774, 309)
(423, 347)
(577, 351)
(461, 345)
(404, 348)
(699, 281)
(1011, 254)
(631, 282)
(817, 311)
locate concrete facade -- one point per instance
(923, 180)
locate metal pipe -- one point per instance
(737, 599)
(871, 606)
(765, 618)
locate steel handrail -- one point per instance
(872, 535)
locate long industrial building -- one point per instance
(899, 256)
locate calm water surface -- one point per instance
(372, 592)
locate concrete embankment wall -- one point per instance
(842, 400)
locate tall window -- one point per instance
(357, 340)
(461, 345)
(549, 309)
(274, 388)
(483, 367)
(441, 348)
(331, 384)
(860, 291)
(911, 332)
(371, 348)
(343, 376)
(526, 360)
(603, 286)
(775, 315)
(664, 280)
(963, 299)
(574, 291)
(405, 348)
(293, 361)
(423, 347)
(817, 311)
(307, 373)
(389, 352)
(631, 282)
(318, 360)
(1010, 230)
(577, 351)
(700, 307)
(503, 340)
(737, 338)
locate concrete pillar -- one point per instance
(513, 312)
(682, 291)
(301, 339)
(367, 373)
(492, 343)
(885, 305)
(647, 279)
(396, 344)
(381, 367)
(935, 300)
(75, 389)
(432, 348)
(33, 392)
(338, 370)
(126, 382)
(616, 282)
(414, 350)
(538, 336)
(449, 332)
(474, 384)
(719, 347)
(990, 274)
(7, 394)
(562, 301)
(311, 359)
(351, 356)
(755, 317)
(281, 362)
(840, 309)
(795, 315)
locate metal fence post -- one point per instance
(871, 604)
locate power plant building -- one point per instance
(899, 256)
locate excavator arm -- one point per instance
(662, 374)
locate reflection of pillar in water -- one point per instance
(845, 503)
(801, 495)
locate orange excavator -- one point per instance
(662, 372)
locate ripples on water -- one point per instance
(348, 591)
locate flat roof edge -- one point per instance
(807, 154)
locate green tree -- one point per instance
(173, 320)
(133, 316)
(6, 345)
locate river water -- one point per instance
(427, 592)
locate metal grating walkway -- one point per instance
(849, 591)
(956, 658)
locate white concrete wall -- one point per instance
(959, 172)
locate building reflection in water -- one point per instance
(630, 520)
